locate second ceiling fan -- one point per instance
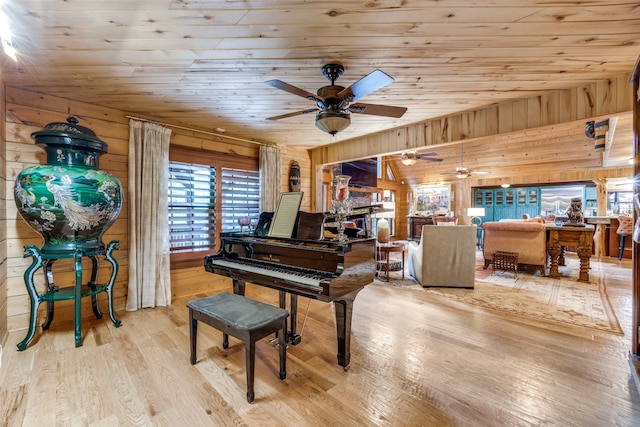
(411, 157)
(334, 103)
(462, 171)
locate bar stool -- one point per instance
(625, 229)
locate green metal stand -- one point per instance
(53, 293)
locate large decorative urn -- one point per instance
(69, 201)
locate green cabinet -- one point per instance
(505, 206)
(528, 202)
(485, 199)
(510, 203)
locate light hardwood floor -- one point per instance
(416, 360)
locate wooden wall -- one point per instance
(302, 157)
(26, 112)
(3, 221)
(595, 99)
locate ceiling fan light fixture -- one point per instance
(409, 158)
(332, 122)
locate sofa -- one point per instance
(527, 238)
(444, 257)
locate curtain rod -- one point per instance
(197, 130)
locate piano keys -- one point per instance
(318, 269)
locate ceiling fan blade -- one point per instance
(377, 110)
(366, 85)
(294, 90)
(474, 172)
(297, 113)
(430, 159)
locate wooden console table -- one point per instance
(415, 223)
(560, 236)
(414, 226)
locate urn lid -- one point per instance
(69, 134)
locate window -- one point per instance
(208, 193)
(192, 207)
(240, 197)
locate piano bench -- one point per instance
(245, 319)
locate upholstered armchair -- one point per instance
(625, 229)
(445, 256)
(527, 238)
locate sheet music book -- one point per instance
(284, 218)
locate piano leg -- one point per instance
(239, 286)
(292, 337)
(343, 312)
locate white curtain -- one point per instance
(149, 269)
(270, 177)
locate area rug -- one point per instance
(563, 300)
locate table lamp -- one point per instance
(475, 214)
(383, 231)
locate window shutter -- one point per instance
(240, 197)
(192, 207)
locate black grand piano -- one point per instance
(319, 269)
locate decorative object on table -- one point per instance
(341, 205)
(294, 176)
(70, 203)
(383, 230)
(576, 219)
(244, 221)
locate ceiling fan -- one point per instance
(410, 158)
(334, 103)
(462, 171)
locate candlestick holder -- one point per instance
(341, 205)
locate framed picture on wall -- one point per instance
(433, 198)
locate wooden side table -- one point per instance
(383, 251)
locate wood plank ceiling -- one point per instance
(204, 63)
